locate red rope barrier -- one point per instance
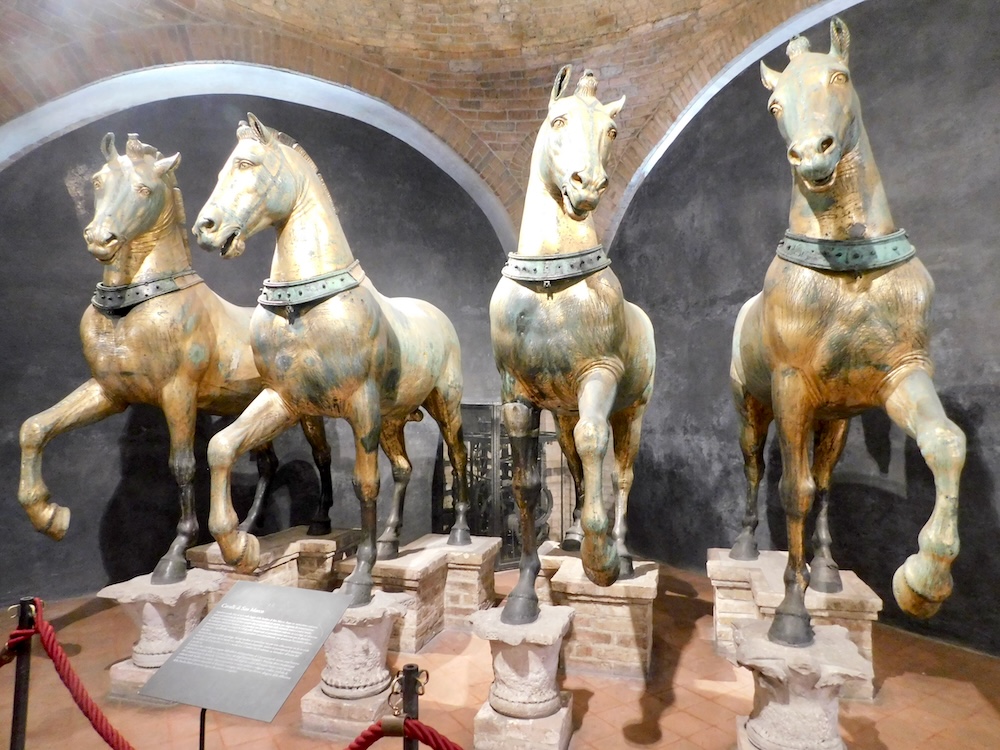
(412, 728)
(60, 661)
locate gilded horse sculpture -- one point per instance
(154, 334)
(565, 339)
(840, 326)
(327, 344)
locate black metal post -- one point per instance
(411, 676)
(201, 730)
(22, 674)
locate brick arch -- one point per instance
(80, 63)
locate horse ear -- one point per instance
(840, 38)
(768, 77)
(561, 82)
(109, 150)
(167, 164)
(613, 108)
(259, 129)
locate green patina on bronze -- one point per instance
(853, 256)
(121, 298)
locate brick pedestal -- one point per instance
(752, 590)
(469, 584)
(612, 631)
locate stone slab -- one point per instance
(494, 731)
(324, 716)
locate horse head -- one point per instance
(573, 144)
(816, 107)
(131, 192)
(254, 191)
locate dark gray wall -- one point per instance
(416, 232)
(695, 244)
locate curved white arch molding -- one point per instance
(131, 89)
(770, 41)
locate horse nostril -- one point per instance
(577, 179)
(794, 156)
(206, 224)
(825, 145)
(603, 185)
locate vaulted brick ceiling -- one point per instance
(475, 72)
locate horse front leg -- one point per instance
(267, 464)
(267, 417)
(831, 435)
(315, 432)
(521, 420)
(591, 436)
(565, 424)
(366, 422)
(794, 420)
(755, 417)
(626, 427)
(394, 448)
(924, 581)
(86, 405)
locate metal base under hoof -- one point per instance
(169, 570)
(573, 538)
(791, 630)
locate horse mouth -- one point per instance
(822, 184)
(106, 252)
(575, 212)
(234, 245)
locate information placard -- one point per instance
(251, 650)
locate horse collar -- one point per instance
(120, 299)
(846, 255)
(292, 293)
(549, 268)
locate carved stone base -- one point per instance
(494, 731)
(287, 558)
(797, 690)
(421, 570)
(164, 614)
(338, 717)
(525, 660)
(752, 589)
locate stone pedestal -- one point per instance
(796, 690)
(612, 631)
(287, 558)
(753, 589)
(165, 614)
(494, 731)
(354, 686)
(421, 570)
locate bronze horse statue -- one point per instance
(327, 344)
(155, 334)
(565, 339)
(841, 326)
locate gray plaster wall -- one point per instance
(695, 243)
(416, 232)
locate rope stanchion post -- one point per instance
(411, 684)
(22, 675)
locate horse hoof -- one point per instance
(824, 576)
(520, 610)
(625, 568)
(911, 601)
(745, 547)
(319, 527)
(602, 569)
(387, 550)
(573, 538)
(459, 537)
(248, 558)
(359, 593)
(791, 630)
(169, 570)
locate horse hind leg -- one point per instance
(267, 464)
(315, 432)
(394, 447)
(755, 418)
(86, 405)
(445, 407)
(924, 580)
(824, 575)
(565, 424)
(626, 426)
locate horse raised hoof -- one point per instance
(573, 538)
(169, 570)
(49, 519)
(910, 600)
(360, 592)
(824, 576)
(244, 555)
(745, 547)
(520, 610)
(791, 630)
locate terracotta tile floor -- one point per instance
(930, 696)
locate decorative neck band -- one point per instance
(846, 255)
(545, 269)
(292, 293)
(118, 300)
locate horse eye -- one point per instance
(143, 191)
(558, 123)
(838, 77)
(775, 109)
(244, 164)
(612, 133)
(97, 184)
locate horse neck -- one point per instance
(855, 207)
(545, 227)
(311, 241)
(161, 250)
